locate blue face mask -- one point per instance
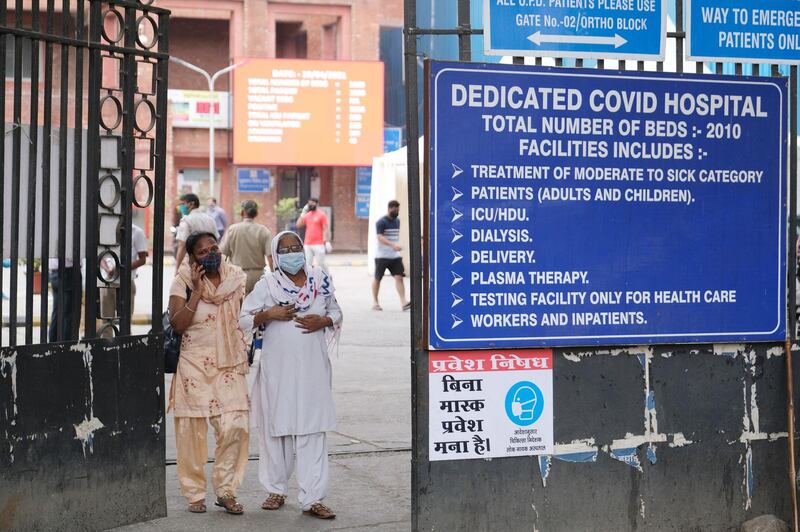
(211, 262)
(291, 262)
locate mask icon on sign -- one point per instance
(524, 403)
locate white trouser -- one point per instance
(317, 251)
(277, 458)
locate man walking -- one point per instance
(317, 240)
(219, 216)
(247, 244)
(194, 222)
(387, 256)
(108, 296)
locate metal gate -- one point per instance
(734, 472)
(81, 397)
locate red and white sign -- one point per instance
(490, 404)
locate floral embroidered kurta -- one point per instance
(199, 388)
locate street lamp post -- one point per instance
(212, 80)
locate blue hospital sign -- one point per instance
(603, 29)
(767, 31)
(581, 207)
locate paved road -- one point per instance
(370, 461)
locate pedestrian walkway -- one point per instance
(370, 451)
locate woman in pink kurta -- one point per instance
(209, 385)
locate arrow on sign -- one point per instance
(456, 279)
(456, 171)
(456, 236)
(456, 193)
(456, 256)
(456, 214)
(456, 321)
(456, 300)
(537, 39)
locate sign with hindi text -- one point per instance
(490, 404)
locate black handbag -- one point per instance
(172, 341)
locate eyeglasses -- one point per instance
(295, 248)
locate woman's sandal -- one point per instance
(228, 502)
(273, 502)
(198, 507)
(320, 511)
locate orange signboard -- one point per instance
(309, 113)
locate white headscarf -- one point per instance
(318, 283)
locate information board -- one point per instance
(253, 180)
(582, 207)
(489, 404)
(766, 31)
(192, 109)
(302, 112)
(363, 191)
(392, 139)
(602, 29)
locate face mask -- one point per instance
(291, 262)
(183, 208)
(312, 207)
(211, 262)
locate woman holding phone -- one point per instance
(209, 385)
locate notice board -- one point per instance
(310, 113)
(585, 207)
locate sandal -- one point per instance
(274, 501)
(198, 507)
(376, 307)
(407, 306)
(320, 511)
(228, 501)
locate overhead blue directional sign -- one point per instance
(767, 31)
(603, 29)
(582, 207)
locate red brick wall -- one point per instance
(204, 43)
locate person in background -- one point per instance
(387, 255)
(70, 317)
(317, 241)
(219, 216)
(193, 222)
(180, 211)
(108, 296)
(209, 385)
(292, 396)
(247, 245)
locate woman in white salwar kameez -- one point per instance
(292, 401)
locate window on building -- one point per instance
(330, 38)
(10, 55)
(291, 40)
(195, 180)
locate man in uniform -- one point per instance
(247, 245)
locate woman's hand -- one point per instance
(312, 323)
(197, 278)
(276, 313)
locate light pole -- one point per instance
(212, 80)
